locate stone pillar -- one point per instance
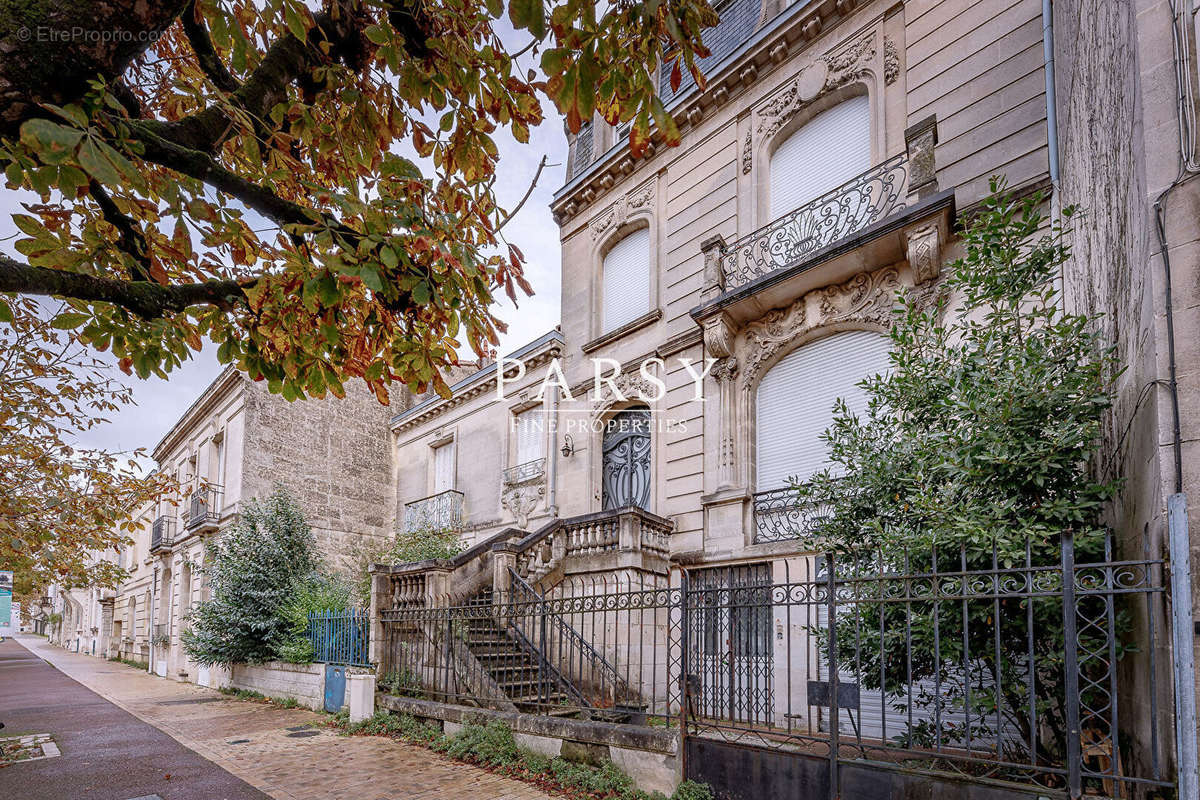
(919, 140)
(504, 558)
(437, 586)
(714, 273)
(106, 644)
(362, 695)
(381, 598)
(629, 532)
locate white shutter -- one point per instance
(828, 151)
(626, 280)
(443, 468)
(530, 438)
(796, 397)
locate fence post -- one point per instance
(684, 666)
(834, 715)
(1182, 634)
(1071, 666)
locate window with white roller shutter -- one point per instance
(443, 468)
(829, 150)
(625, 286)
(796, 397)
(530, 435)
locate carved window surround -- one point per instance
(768, 49)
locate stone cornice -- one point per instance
(475, 385)
(197, 411)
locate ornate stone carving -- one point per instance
(748, 154)
(826, 73)
(521, 499)
(725, 369)
(616, 214)
(718, 338)
(925, 253)
(891, 61)
(868, 298)
(631, 385)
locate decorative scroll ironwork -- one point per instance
(873, 195)
(442, 511)
(528, 471)
(626, 459)
(779, 516)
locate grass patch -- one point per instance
(259, 697)
(129, 662)
(492, 746)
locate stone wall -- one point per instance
(334, 455)
(651, 756)
(303, 682)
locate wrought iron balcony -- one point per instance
(441, 512)
(873, 195)
(528, 471)
(780, 516)
(162, 533)
(204, 507)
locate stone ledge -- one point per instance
(632, 737)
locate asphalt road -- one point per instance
(107, 753)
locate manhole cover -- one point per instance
(237, 741)
(303, 734)
(299, 728)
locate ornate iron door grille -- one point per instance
(626, 460)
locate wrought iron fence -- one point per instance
(524, 472)
(1037, 663)
(340, 637)
(442, 511)
(780, 516)
(868, 198)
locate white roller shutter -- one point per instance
(796, 397)
(443, 468)
(828, 151)
(530, 436)
(626, 280)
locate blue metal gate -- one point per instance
(335, 687)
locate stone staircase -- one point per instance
(531, 683)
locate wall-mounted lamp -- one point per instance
(568, 446)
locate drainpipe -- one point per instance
(552, 470)
(1051, 96)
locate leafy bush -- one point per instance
(491, 744)
(312, 593)
(422, 544)
(982, 435)
(252, 570)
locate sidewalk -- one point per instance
(259, 743)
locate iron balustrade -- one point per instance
(836, 215)
(442, 511)
(204, 506)
(162, 533)
(779, 515)
(528, 471)
(1033, 664)
(340, 636)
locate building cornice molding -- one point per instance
(203, 405)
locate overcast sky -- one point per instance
(158, 403)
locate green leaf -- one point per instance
(528, 14)
(377, 34)
(54, 143)
(6, 313)
(295, 22)
(94, 158)
(69, 321)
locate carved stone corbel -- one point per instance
(925, 253)
(718, 337)
(920, 140)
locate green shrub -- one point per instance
(692, 790)
(308, 594)
(491, 744)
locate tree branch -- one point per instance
(528, 192)
(146, 299)
(206, 54)
(132, 241)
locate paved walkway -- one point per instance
(272, 758)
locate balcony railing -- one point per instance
(873, 195)
(204, 507)
(525, 472)
(162, 533)
(442, 511)
(780, 516)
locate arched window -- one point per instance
(626, 459)
(626, 281)
(828, 151)
(796, 398)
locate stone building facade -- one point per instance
(234, 444)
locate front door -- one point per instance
(626, 459)
(335, 687)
